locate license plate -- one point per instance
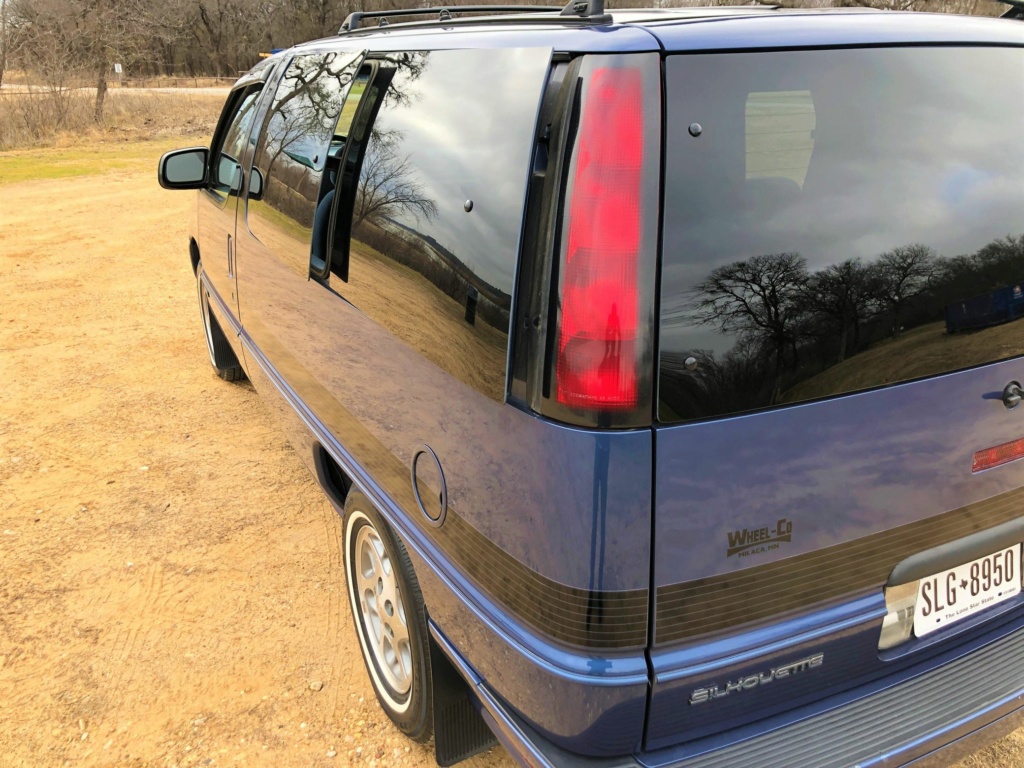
(966, 590)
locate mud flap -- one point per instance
(459, 730)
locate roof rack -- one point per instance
(592, 10)
(440, 13)
(589, 10)
(1016, 9)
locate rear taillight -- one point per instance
(597, 334)
(609, 239)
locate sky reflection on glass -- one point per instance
(911, 147)
(468, 136)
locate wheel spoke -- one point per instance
(386, 654)
(397, 619)
(405, 658)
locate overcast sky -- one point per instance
(910, 146)
(467, 128)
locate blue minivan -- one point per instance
(663, 364)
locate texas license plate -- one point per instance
(960, 592)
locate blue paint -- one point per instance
(578, 507)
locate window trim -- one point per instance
(664, 420)
(235, 99)
(345, 194)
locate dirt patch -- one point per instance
(170, 581)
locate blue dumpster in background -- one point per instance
(1000, 306)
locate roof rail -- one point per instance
(444, 13)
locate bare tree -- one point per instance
(386, 187)
(51, 39)
(5, 33)
(115, 32)
(67, 39)
(842, 293)
(902, 275)
(223, 37)
(759, 298)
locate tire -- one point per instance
(383, 590)
(222, 356)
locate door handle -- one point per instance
(1012, 394)
(231, 257)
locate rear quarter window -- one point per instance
(438, 207)
(837, 220)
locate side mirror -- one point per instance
(184, 168)
(255, 184)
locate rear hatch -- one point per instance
(841, 303)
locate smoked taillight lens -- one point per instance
(609, 240)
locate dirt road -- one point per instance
(218, 90)
(170, 585)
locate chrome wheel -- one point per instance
(383, 610)
(389, 616)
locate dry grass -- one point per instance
(43, 118)
(916, 353)
(19, 77)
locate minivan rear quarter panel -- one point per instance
(542, 562)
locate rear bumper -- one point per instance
(955, 751)
(933, 719)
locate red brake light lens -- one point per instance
(598, 332)
(998, 455)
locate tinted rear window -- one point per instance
(841, 220)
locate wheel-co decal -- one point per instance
(753, 541)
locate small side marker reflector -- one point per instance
(998, 455)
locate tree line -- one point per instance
(59, 42)
(788, 323)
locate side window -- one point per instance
(434, 188)
(811, 250)
(297, 156)
(226, 157)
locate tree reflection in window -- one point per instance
(298, 144)
(387, 187)
(839, 224)
(795, 331)
(435, 272)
